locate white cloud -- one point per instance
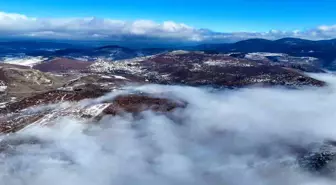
(21, 25)
(103, 28)
(327, 28)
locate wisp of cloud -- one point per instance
(251, 136)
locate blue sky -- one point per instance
(217, 15)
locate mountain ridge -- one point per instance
(322, 49)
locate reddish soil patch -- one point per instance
(139, 103)
(62, 65)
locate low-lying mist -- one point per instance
(251, 136)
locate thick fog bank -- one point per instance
(251, 136)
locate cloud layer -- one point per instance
(223, 137)
(117, 30)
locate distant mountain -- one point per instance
(324, 49)
(109, 52)
(12, 47)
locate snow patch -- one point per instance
(119, 77)
(95, 110)
(25, 61)
(179, 52)
(262, 55)
(3, 104)
(108, 77)
(3, 88)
